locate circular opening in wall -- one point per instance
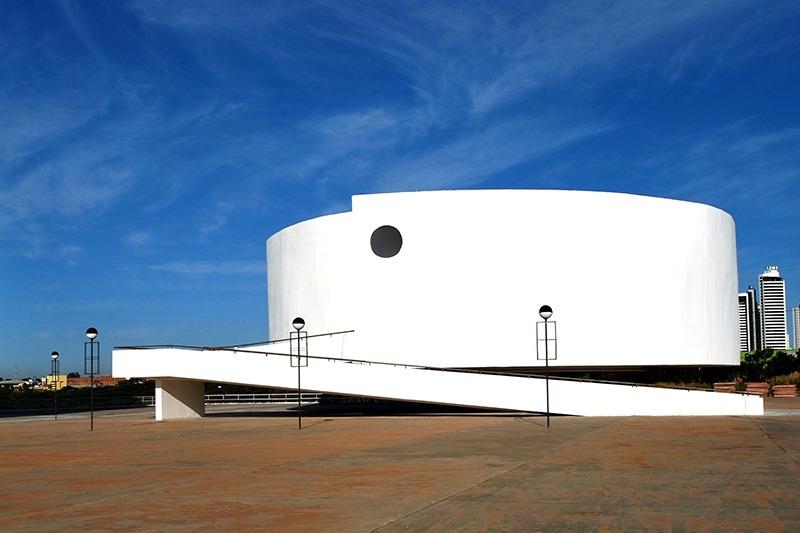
(386, 241)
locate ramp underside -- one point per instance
(409, 383)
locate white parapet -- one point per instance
(179, 398)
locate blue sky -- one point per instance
(148, 148)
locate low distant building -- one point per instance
(59, 381)
(99, 381)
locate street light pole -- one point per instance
(546, 374)
(298, 324)
(546, 312)
(54, 379)
(91, 334)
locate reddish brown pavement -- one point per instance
(421, 473)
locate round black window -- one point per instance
(386, 241)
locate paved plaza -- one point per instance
(240, 470)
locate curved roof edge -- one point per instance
(306, 221)
(367, 196)
(554, 191)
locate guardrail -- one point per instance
(272, 397)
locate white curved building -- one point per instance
(456, 278)
(428, 284)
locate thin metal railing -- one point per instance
(257, 397)
(231, 347)
(275, 341)
(267, 397)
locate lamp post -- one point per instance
(89, 360)
(54, 378)
(546, 312)
(298, 324)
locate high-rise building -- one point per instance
(749, 328)
(796, 325)
(773, 308)
(744, 338)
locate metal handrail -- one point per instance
(275, 341)
(261, 397)
(416, 367)
(234, 347)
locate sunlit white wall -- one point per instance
(633, 280)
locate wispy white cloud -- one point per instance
(139, 238)
(676, 66)
(80, 305)
(193, 268)
(66, 166)
(788, 139)
(72, 13)
(473, 159)
(737, 166)
(579, 39)
(218, 215)
(192, 16)
(468, 94)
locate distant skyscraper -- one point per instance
(749, 328)
(773, 308)
(796, 325)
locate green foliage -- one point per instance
(762, 365)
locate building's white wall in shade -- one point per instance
(179, 398)
(309, 275)
(632, 280)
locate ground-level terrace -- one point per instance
(250, 468)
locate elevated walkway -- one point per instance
(181, 371)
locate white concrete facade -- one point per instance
(633, 280)
(425, 283)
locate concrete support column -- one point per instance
(179, 398)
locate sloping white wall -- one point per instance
(417, 384)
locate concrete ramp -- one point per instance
(177, 397)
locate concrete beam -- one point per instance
(179, 398)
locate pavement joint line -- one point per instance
(491, 478)
(786, 453)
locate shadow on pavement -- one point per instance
(356, 409)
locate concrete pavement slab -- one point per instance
(416, 473)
